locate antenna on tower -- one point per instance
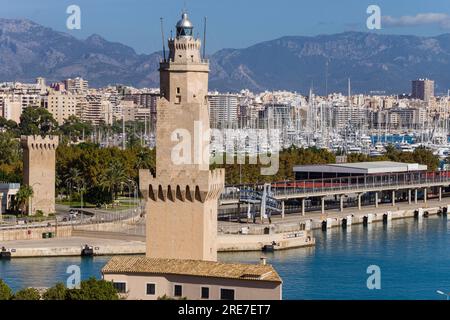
(163, 42)
(204, 38)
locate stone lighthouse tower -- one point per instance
(182, 196)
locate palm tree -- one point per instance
(23, 196)
(76, 179)
(113, 178)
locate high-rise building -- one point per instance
(90, 109)
(422, 89)
(145, 100)
(61, 105)
(223, 110)
(76, 85)
(10, 107)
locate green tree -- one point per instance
(57, 292)
(75, 129)
(75, 179)
(37, 121)
(5, 291)
(27, 294)
(93, 289)
(23, 197)
(10, 151)
(8, 125)
(114, 178)
(425, 156)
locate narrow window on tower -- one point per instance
(178, 97)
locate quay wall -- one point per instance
(358, 218)
(63, 231)
(34, 233)
(231, 243)
(76, 251)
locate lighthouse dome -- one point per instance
(184, 26)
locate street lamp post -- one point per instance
(69, 190)
(443, 294)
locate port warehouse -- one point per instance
(343, 185)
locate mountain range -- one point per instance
(373, 61)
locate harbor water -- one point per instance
(413, 257)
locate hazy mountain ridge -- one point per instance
(373, 61)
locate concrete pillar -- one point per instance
(303, 207)
(393, 198)
(359, 201)
(425, 195)
(341, 202)
(440, 193)
(409, 196)
(1, 206)
(239, 211)
(282, 209)
(322, 200)
(415, 196)
(376, 199)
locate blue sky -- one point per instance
(231, 23)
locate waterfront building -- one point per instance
(7, 194)
(107, 112)
(77, 85)
(398, 118)
(39, 162)
(182, 198)
(365, 182)
(89, 109)
(422, 89)
(140, 278)
(61, 105)
(358, 169)
(345, 115)
(275, 116)
(129, 110)
(10, 107)
(145, 100)
(223, 109)
(410, 117)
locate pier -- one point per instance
(336, 193)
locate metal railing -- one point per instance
(86, 217)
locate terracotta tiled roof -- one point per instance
(199, 268)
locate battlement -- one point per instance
(209, 185)
(38, 142)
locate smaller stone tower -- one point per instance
(39, 165)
